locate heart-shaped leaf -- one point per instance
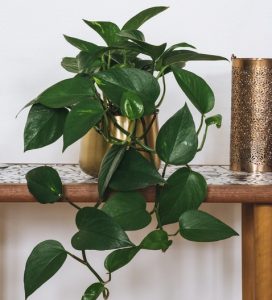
(80, 120)
(93, 291)
(88, 63)
(119, 258)
(196, 89)
(177, 139)
(214, 120)
(177, 56)
(82, 45)
(44, 126)
(44, 184)
(156, 240)
(134, 172)
(184, 190)
(107, 30)
(67, 92)
(143, 16)
(200, 226)
(115, 82)
(70, 64)
(109, 164)
(98, 231)
(132, 34)
(44, 261)
(128, 209)
(131, 106)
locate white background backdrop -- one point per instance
(31, 49)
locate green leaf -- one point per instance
(143, 16)
(119, 258)
(177, 139)
(199, 226)
(156, 240)
(134, 172)
(44, 262)
(88, 63)
(115, 82)
(80, 120)
(179, 45)
(184, 190)
(44, 184)
(196, 89)
(131, 106)
(67, 92)
(176, 56)
(107, 30)
(70, 64)
(128, 209)
(93, 291)
(82, 45)
(132, 34)
(98, 231)
(30, 103)
(214, 120)
(109, 164)
(43, 126)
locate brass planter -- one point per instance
(93, 146)
(251, 115)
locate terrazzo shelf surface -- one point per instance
(71, 173)
(224, 186)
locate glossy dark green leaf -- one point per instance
(128, 209)
(115, 82)
(143, 16)
(44, 261)
(184, 190)
(214, 120)
(88, 63)
(179, 45)
(156, 240)
(153, 51)
(93, 291)
(107, 30)
(134, 172)
(109, 165)
(44, 126)
(132, 34)
(80, 120)
(199, 226)
(44, 184)
(196, 89)
(119, 258)
(82, 45)
(176, 56)
(177, 139)
(70, 64)
(98, 231)
(131, 106)
(30, 103)
(67, 92)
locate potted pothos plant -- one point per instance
(126, 77)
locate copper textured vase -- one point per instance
(93, 146)
(251, 115)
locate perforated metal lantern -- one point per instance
(251, 115)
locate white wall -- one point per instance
(31, 49)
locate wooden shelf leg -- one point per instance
(263, 251)
(248, 252)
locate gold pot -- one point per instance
(93, 146)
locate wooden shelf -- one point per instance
(224, 186)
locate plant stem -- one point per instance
(164, 170)
(201, 124)
(71, 203)
(90, 267)
(148, 127)
(85, 262)
(109, 60)
(115, 123)
(203, 139)
(163, 93)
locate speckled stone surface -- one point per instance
(71, 173)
